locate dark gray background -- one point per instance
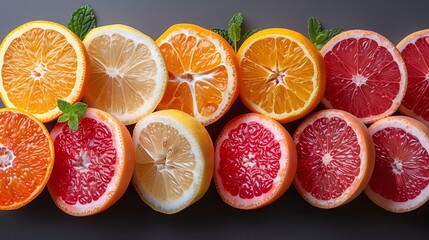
(288, 218)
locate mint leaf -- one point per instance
(73, 122)
(80, 109)
(234, 33)
(82, 21)
(236, 19)
(250, 33)
(63, 118)
(313, 27)
(223, 33)
(321, 37)
(332, 32)
(64, 106)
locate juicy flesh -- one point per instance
(24, 157)
(122, 70)
(362, 77)
(328, 158)
(39, 68)
(401, 168)
(165, 163)
(416, 58)
(277, 75)
(85, 162)
(198, 78)
(249, 160)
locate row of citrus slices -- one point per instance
(278, 73)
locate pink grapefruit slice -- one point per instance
(415, 52)
(400, 181)
(335, 158)
(93, 165)
(366, 75)
(255, 161)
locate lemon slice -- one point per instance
(128, 75)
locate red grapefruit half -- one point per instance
(415, 51)
(93, 165)
(255, 161)
(366, 75)
(400, 181)
(335, 158)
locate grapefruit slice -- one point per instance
(174, 160)
(255, 161)
(93, 165)
(366, 75)
(282, 74)
(400, 181)
(26, 158)
(335, 158)
(415, 52)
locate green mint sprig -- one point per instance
(82, 21)
(234, 33)
(71, 113)
(318, 36)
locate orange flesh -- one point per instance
(282, 73)
(165, 163)
(25, 158)
(39, 68)
(197, 76)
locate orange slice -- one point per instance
(41, 62)
(26, 158)
(282, 74)
(128, 74)
(202, 70)
(335, 158)
(174, 160)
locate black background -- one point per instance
(290, 217)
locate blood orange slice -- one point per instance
(335, 158)
(255, 161)
(415, 52)
(93, 165)
(400, 181)
(366, 75)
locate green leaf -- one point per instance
(73, 122)
(250, 33)
(82, 21)
(64, 106)
(234, 33)
(80, 109)
(332, 32)
(313, 27)
(63, 118)
(321, 37)
(236, 19)
(320, 45)
(223, 33)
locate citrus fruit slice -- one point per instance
(93, 165)
(41, 62)
(26, 158)
(128, 74)
(400, 181)
(366, 75)
(335, 158)
(202, 72)
(255, 161)
(174, 160)
(282, 74)
(415, 52)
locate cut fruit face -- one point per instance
(282, 74)
(415, 52)
(400, 181)
(93, 165)
(128, 74)
(26, 158)
(335, 158)
(41, 62)
(174, 160)
(255, 161)
(202, 72)
(366, 75)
